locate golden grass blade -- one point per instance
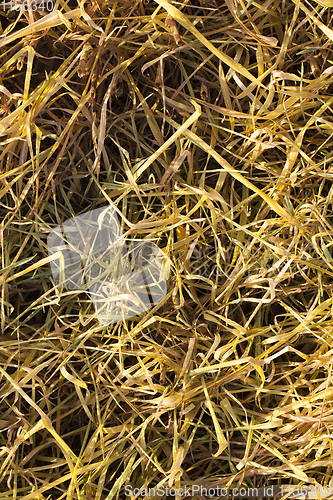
(222, 442)
(72, 379)
(53, 19)
(123, 478)
(47, 260)
(227, 167)
(45, 419)
(325, 29)
(180, 18)
(137, 173)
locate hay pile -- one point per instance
(209, 126)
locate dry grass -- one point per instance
(208, 125)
